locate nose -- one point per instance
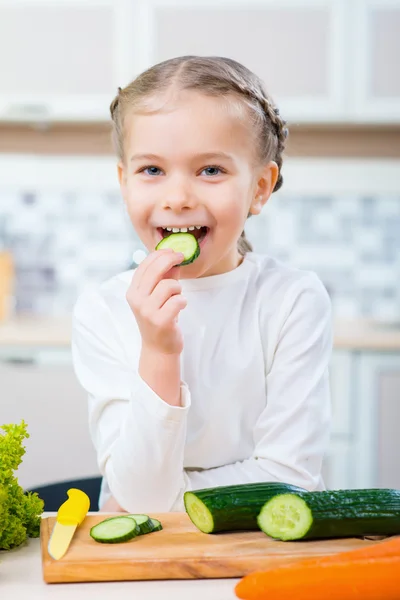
(178, 197)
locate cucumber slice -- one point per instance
(144, 522)
(156, 525)
(115, 530)
(332, 514)
(181, 242)
(285, 517)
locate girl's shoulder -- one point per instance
(282, 287)
(103, 296)
(274, 274)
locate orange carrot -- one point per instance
(373, 579)
(367, 573)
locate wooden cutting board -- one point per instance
(179, 551)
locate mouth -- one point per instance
(198, 231)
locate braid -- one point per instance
(251, 87)
(117, 137)
(114, 103)
(281, 132)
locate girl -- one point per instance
(214, 373)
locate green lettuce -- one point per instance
(20, 512)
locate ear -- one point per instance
(264, 187)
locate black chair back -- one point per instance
(54, 494)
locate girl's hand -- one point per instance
(111, 505)
(156, 301)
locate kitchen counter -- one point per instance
(353, 334)
(21, 577)
(367, 334)
(36, 331)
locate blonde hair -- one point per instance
(213, 76)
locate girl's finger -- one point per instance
(157, 271)
(171, 309)
(146, 263)
(165, 289)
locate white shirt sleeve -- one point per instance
(138, 437)
(292, 433)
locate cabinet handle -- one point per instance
(29, 112)
(19, 360)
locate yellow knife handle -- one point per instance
(74, 510)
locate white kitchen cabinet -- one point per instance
(342, 382)
(388, 433)
(49, 398)
(336, 471)
(376, 421)
(365, 441)
(375, 61)
(60, 60)
(323, 61)
(296, 46)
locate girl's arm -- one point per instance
(292, 433)
(139, 437)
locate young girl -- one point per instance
(214, 373)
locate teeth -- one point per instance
(183, 229)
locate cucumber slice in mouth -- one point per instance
(186, 243)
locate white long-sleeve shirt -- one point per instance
(254, 393)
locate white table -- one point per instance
(21, 577)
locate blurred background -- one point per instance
(332, 67)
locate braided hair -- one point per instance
(214, 76)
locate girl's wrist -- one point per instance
(157, 354)
(161, 372)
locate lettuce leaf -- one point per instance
(20, 512)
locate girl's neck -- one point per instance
(220, 279)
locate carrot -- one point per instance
(370, 579)
(344, 571)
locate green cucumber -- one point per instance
(114, 530)
(181, 242)
(144, 523)
(156, 525)
(331, 514)
(233, 507)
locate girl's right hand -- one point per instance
(155, 298)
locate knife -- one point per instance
(69, 516)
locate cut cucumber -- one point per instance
(115, 530)
(233, 507)
(156, 525)
(331, 514)
(181, 242)
(144, 523)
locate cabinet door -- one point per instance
(341, 381)
(54, 406)
(376, 428)
(337, 468)
(389, 428)
(296, 46)
(376, 73)
(58, 60)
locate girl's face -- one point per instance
(192, 164)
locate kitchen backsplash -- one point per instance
(63, 240)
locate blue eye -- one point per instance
(153, 171)
(212, 171)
